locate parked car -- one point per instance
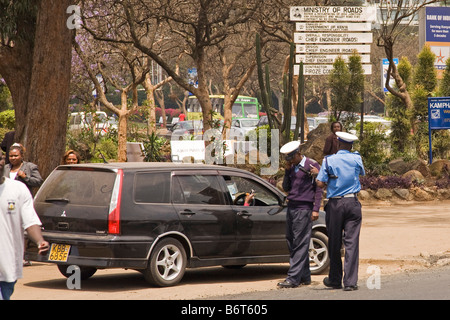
(265, 121)
(185, 130)
(241, 127)
(161, 218)
(99, 121)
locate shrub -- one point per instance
(389, 182)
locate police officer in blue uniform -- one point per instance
(340, 173)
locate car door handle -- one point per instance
(187, 212)
(244, 214)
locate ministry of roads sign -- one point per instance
(324, 33)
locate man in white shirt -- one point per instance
(16, 215)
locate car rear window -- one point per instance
(152, 187)
(86, 187)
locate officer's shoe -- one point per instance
(286, 284)
(329, 284)
(350, 288)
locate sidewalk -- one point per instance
(404, 236)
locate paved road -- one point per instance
(432, 284)
(397, 239)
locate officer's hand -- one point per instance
(313, 170)
(315, 216)
(287, 165)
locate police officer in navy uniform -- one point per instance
(340, 172)
(304, 200)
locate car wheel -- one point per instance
(318, 253)
(167, 263)
(86, 272)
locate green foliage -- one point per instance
(356, 85)
(373, 148)
(106, 147)
(444, 87)
(425, 81)
(5, 98)
(339, 81)
(91, 145)
(153, 148)
(346, 83)
(400, 136)
(7, 119)
(17, 18)
(425, 73)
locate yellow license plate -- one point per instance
(59, 252)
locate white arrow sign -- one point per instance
(332, 27)
(332, 13)
(324, 69)
(327, 59)
(356, 37)
(332, 48)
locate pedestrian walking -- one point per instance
(331, 142)
(17, 215)
(340, 173)
(304, 199)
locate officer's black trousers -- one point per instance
(343, 220)
(298, 235)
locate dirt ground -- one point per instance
(394, 237)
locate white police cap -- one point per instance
(346, 137)
(290, 148)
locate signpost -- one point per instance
(324, 69)
(438, 117)
(384, 68)
(324, 33)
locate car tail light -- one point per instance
(114, 206)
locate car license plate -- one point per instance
(59, 252)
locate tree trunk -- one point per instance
(42, 106)
(149, 89)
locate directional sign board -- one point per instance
(344, 38)
(326, 58)
(324, 69)
(332, 48)
(320, 13)
(324, 33)
(332, 27)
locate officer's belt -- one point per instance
(348, 195)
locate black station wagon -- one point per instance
(161, 218)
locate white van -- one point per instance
(87, 120)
